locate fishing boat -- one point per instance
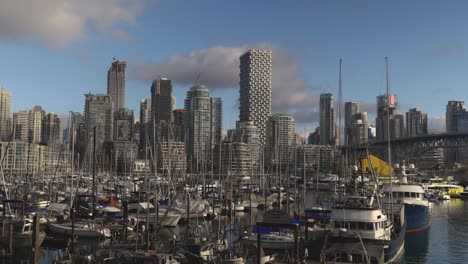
(362, 230)
(412, 197)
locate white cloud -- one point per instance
(436, 124)
(58, 23)
(218, 67)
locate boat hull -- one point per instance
(78, 232)
(417, 217)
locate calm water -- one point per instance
(446, 241)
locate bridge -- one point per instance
(416, 146)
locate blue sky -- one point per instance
(63, 49)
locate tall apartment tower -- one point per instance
(327, 120)
(5, 112)
(255, 90)
(416, 123)
(35, 124)
(247, 132)
(216, 120)
(116, 83)
(281, 133)
(51, 129)
(98, 112)
(351, 108)
(145, 123)
(198, 125)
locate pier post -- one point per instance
(72, 215)
(296, 245)
(11, 238)
(125, 220)
(259, 243)
(35, 239)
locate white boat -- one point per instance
(83, 230)
(274, 240)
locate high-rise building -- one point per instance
(247, 132)
(123, 124)
(51, 129)
(416, 123)
(327, 120)
(35, 124)
(389, 109)
(123, 149)
(116, 84)
(178, 115)
(98, 112)
(216, 120)
(172, 157)
(233, 158)
(281, 132)
(197, 121)
(198, 126)
(351, 108)
(358, 129)
(162, 101)
(456, 118)
(145, 124)
(255, 90)
(314, 138)
(21, 125)
(5, 112)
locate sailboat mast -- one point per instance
(389, 156)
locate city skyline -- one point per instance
(424, 64)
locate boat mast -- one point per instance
(94, 169)
(389, 156)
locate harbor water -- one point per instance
(446, 241)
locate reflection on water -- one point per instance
(446, 241)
